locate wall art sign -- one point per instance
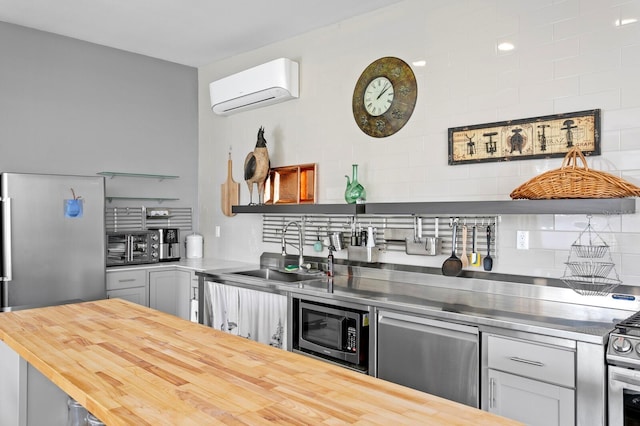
(524, 139)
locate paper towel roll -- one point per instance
(195, 245)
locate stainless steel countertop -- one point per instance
(484, 303)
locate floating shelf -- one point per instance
(158, 199)
(564, 206)
(136, 175)
(348, 209)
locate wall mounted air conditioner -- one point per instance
(270, 83)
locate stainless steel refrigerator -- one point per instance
(52, 236)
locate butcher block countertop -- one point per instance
(131, 365)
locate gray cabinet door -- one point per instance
(169, 291)
(432, 356)
(530, 401)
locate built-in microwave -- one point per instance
(335, 333)
(132, 247)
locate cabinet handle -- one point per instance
(128, 280)
(492, 393)
(526, 361)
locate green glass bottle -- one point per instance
(355, 192)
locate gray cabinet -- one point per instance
(433, 356)
(528, 381)
(27, 397)
(134, 294)
(128, 284)
(169, 291)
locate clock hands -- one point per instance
(387, 85)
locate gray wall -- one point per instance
(68, 106)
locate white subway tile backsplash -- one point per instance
(608, 99)
(568, 57)
(617, 161)
(555, 12)
(631, 267)
(604, 60)
(621, 118)
(578, 223)
(630, 98)
(630, 56)
(630, 138)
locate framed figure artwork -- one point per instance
(523, 139)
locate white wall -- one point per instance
(72, 107)
(569, 57)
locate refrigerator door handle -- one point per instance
(7, 273)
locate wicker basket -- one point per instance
(573, 181)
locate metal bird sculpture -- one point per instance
(256, 167)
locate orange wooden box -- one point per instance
(291, 184)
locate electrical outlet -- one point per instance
(522, 240)
(217, 231)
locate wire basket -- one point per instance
(594, 286)
(590, 269)
(587, 276)
(590, 251)
(573, 181)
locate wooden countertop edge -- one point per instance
(295, 396)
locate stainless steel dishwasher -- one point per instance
(437, 357)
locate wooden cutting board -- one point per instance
(230, 192)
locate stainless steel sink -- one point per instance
(274, 275)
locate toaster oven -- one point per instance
(132, 247)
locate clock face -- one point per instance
(384, 97)
(378, 96)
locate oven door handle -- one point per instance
(626, 379)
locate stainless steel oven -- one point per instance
(624, 396)
(623, 359)
(335, 333)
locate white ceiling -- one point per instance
(189, 32)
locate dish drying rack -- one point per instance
(590, 270)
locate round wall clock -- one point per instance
(384, 97)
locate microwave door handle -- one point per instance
(7, 272)
(129, 248)
(341, 342)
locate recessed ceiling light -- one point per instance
(627, 21)
(505, 46)
(421, 63)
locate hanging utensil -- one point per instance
(488, 261)
(475, 256)
(463, 256)
(433, 244)
(452, 266)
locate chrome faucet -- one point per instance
(300, 242)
